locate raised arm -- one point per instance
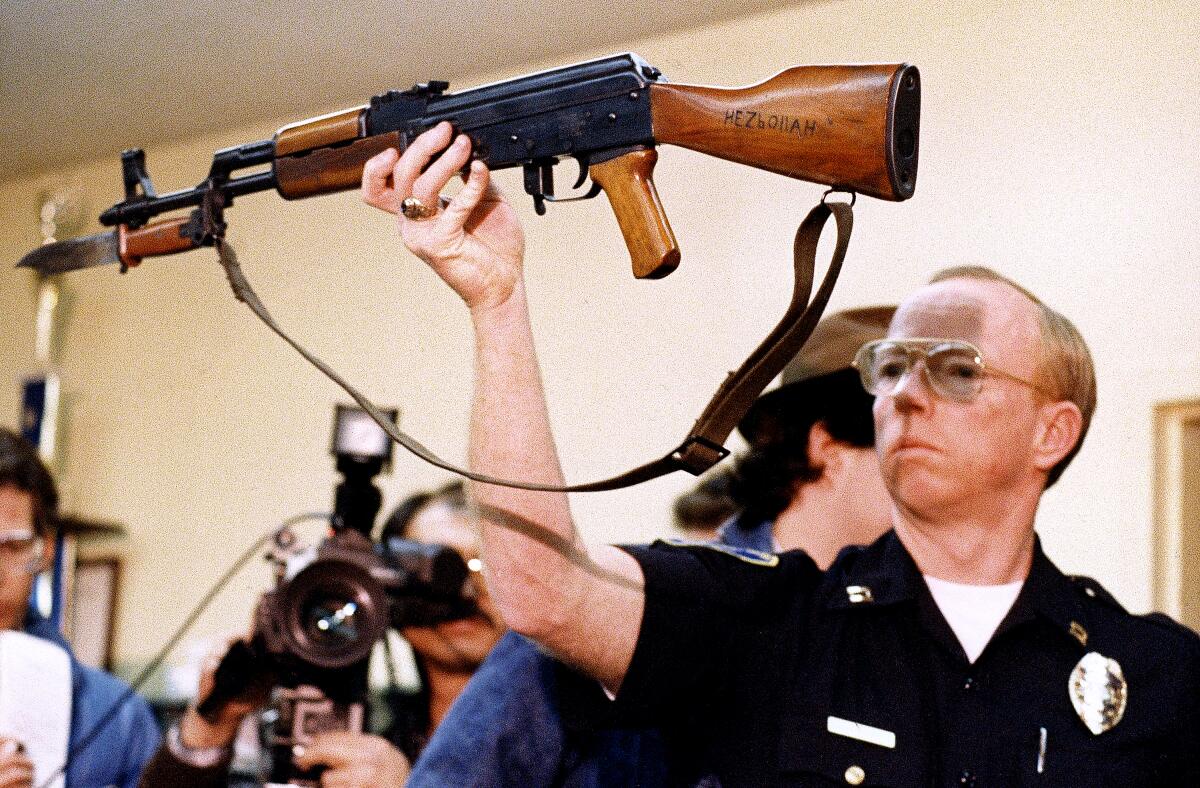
(476, 245)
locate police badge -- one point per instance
(1098, 692)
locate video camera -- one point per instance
(314, 632)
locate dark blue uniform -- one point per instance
(779, 674)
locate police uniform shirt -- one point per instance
(775, 673)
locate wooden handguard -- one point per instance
(157, 238)
(847, 126)
(325, 154)
(628, 181)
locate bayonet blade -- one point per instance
(73, 254)
(121, 245)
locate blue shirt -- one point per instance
(505, 728)
(123, 745)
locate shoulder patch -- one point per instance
(756, 557)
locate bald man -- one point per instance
(949, 652)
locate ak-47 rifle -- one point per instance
(850, 127)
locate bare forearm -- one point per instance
(588, 615)
(511, 438)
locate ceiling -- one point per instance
(83, 80)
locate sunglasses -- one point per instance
(952, 368)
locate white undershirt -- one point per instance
(973, 612)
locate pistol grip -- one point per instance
(628, 180)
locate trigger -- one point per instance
(584, 164)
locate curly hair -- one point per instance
(766, 477)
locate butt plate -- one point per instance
(904, 125)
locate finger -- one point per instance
(492, 193)
(469, 196)
(430, 184)
(332, 748)
(210, 663)
(377, 188)
(347, 777)
(419, 153)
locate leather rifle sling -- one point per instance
(703, 447)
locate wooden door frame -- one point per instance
(1171, 419)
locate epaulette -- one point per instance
(1091, 588)
(1166, 622)
(756, 557)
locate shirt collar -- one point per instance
(882, 573)
(885, 574)
(38, 626)
(738, 531)
(1048, 595)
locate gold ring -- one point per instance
(417, 211)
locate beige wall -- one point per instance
(1058, 145)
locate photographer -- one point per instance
(198, 752)
(122, 744)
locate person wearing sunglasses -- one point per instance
(951, 651)
(112, 735)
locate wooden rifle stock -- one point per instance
(853, 127)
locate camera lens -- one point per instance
(330, 620)
(334, 611)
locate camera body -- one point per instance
(329, 613)
(314, 632)
(317, 627)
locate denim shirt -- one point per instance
(121, 748)
(505, 728)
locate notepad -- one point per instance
(35, 701)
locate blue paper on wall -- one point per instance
(33, 408)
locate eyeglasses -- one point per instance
(953, 368)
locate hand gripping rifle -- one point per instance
(853, 128)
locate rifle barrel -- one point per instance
(237, 157)
(138, 212)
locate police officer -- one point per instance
(809, 480)
(949, 652)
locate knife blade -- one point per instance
(115, 246)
